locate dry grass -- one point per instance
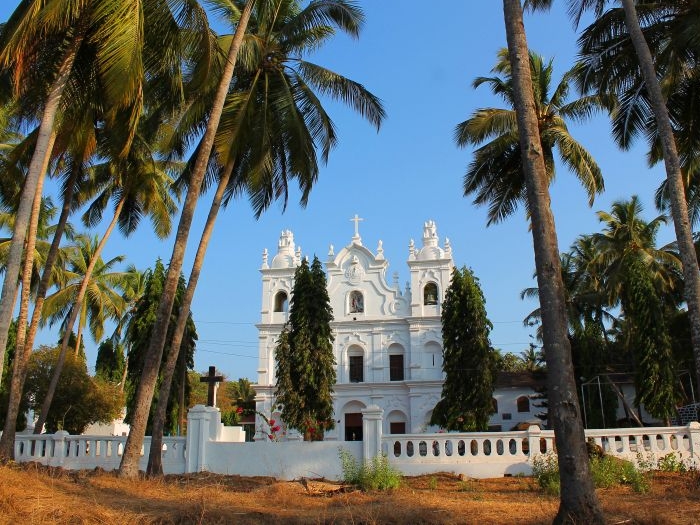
(34, 494)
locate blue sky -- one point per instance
(421, 63)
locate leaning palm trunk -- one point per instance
(155, 465)
(75, 311)
(37, 170)
(24, 308)
(144, 393)
(679, 205)
(578, 503)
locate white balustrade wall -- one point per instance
(478, 455)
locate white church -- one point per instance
(388, 342)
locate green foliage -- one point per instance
(433, 483)
(305, 364)
(109, 364)
(79, 400)
(495, 177)
(546, 471)
(671, 462)
(138, 335)
(607, 471)
(375, 474)
(648, 338)
(469, 362)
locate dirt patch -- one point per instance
(36, 494)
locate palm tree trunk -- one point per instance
(23, 347)
(21, 350)
(144, 393)
(75, 310)
(181, 401)
(78, 337)
(578, 502)
(122, 384)
(37, 170)
(679, 205)
(155, 466)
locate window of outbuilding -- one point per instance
(523, 404)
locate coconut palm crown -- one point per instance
(495, 174)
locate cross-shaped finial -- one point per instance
(356, 219)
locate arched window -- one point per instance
(494, 405)
(281, 302)
(430, 294)
(523, 404)
(357, 302)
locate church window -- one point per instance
(523, 404)
(356, 369)
(430, 294)
(357, 302)
(281, 302)
(396, 367)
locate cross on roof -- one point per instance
(356, 219)
(212, 379)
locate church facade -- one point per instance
(388, 342)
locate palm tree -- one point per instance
(645, 281)
(626, 235)
(90, 295)
(89, 40)
(101, 303)
(672, 58)
(76, 144)
(578, 500)
(496, 175)
(129, 465)
(138, 185)
(267, 135)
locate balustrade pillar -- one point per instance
(694, 435)
(372, 431)
(59, 452)
(534, 433)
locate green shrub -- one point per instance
(607, 471)
(546, 471)
(375, 474)
(432, 483)
(671, 463)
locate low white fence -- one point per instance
(478, 455)
(493, 454)
(87, 452)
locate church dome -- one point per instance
(430, 250)
(285, 257)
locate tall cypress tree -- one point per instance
(305, 364)
(138, 335)
(655, 379)
(469, 362)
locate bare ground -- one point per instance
(35, 494)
